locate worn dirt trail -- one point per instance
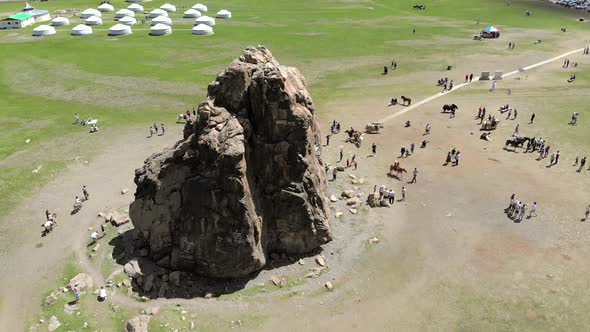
(32, 267)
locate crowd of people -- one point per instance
(517, 210)
(155, 129)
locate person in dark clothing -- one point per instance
(532, 118)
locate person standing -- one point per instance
(85, 193)
(532, 118)
(163, 130)
(341, 155)
(582, 163)
(94, 236)
(403, 151)
(151, 131)
(414, 31)
(457, 157)
(156, 128)
(516, 129)
(427, 130)
(451, 85)
(556, 157)
(76, 293)
(493, 86)
(533, 210)
(334, 172)
(76, 118)
(412, 146)
(394, 65)
(327, 140)
(470, 77)
(415, 175)
(522, 212)
(374, 148)
(391, 196)
(403, 193)
(587, 212)
(515, 114)
(552, 159)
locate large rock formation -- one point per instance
(246, 181)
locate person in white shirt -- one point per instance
(94, 236)
(102, 294)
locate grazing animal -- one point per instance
(450, 108)
(517, 142)
(406, 100)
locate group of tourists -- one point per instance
(406, 152)
(517, 209)
(335, 127)
(154, 129)
(566, 63)
(386, 194)
(453, 157)
(469, 78)
(586, 50)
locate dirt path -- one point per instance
(476, 79)
(31, 269)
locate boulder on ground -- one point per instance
(320, 260)
(132, 268)
(348, 194)
(329, 286)
(174, 278)
(338, 214)
(353, 201)
(246, 179)
(54, 324)
(333, 198)
(124, 191)
(138, 324)
(81, 281)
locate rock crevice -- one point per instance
(245, 181)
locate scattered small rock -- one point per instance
(373, 240)
(352, 176)
(333, 198)
(174, 278)
(353, 211)
(348, 194)
(276, 281)
(124, 191)
(320, 260)
(338, 214)
(209, 295)
(301, 261)
(353, 201)
(329, 286)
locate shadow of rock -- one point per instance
(152, 281)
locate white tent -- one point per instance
(210, 21)
(168, 7)
(162, 20)
(135, 8)
(59, 21)
(90, 12)
(93, 20)
(158, 12)
(223, 14)
(81, 29)
(128, 20)
(200, 7)
(105, 7)
(192, 13)
(160, 30)
(44, 30)
(202, 29)
(120, 30)
(124, 12)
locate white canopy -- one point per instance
(124, 12)
(81, 29)
(105, 7)
(210, 21)
(128, 20)
(160, 30)
(135, 8)
(90, 12)
(202, 29)
(168, 7)
(161, 20)
(158, 12)
(44, 30)
(93, 20)
(58, 21)
(200, 7)
(223, 14)
(192, 13)
(119, 30)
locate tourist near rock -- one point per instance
(247, 179)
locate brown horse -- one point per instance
(398, 170)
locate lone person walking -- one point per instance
(415, 173)
(403, 193)
(374, 148)
(85, 193)
(532, 118)
(334, 172)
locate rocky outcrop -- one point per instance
(138, 324)
(245, 181)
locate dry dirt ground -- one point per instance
(448, 257)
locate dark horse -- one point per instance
(517, 142)
(449, 108)
(406, 101)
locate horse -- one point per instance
(47, 227)
(449, 108)
(406, 100)
(517, 142)
(398, 170)
(373, 127)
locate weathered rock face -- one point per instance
(245, 181)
